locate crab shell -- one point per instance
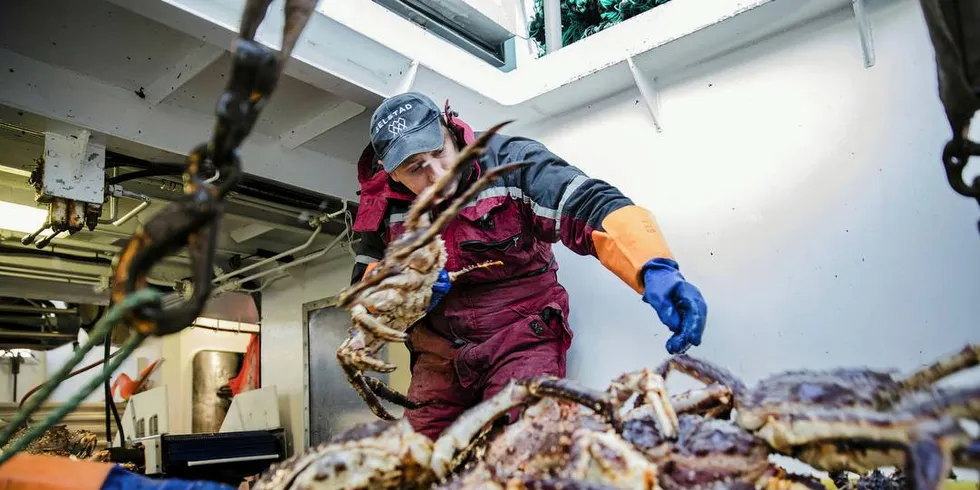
(380, 455)
(400, 300)
(540, 441)
(560, 440)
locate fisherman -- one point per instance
(511, 321)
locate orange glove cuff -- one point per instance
(369, 268)
(42, 472)
(630, 238)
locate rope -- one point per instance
(583, 18)
(112, 316)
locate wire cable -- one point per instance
(71, 375)
(112, 316)
(110, 403)
(131, 344)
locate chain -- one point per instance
(191, 221)
(956, 155)
(954, 29)
(194, 219)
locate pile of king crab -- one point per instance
(634, 434)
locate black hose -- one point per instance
(12, 250)
(110, 404)
(141, 174)
(113, 160)
(15, 369)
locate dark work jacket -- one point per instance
(516, 219)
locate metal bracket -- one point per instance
(648, 91)
(864, 30)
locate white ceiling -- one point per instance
(109, 48)
(105, 55)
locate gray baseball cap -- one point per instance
(404, 125)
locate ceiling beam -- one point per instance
(194, 62)
(67, 96)
(332, 115)
(324, 42)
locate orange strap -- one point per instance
(369, 268)
(42, 472)
(630, 238)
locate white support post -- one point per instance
(333, 115)
(408, 78)
(552, 25)
(864, 30)
(648, 92)
(193, 63)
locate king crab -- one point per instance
(397, 292)
(649, 446)
(58, 440)
(854, 419)
(389, 454)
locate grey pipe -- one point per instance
(37, 309)
(37, 335)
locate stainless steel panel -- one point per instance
(334, 406)
(210, 371)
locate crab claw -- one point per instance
(651, 389)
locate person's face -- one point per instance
(424, 169)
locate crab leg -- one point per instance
(955, 402)
(482, 265)
(516, 393)
(930, 455)
(923, 378)
(453, 209)
(470, 193)
(360, 315)
(427, 198)
(705, 372)
(388, 393)
(361, 386)
(381, 273)
(458, 435)
(709, 401)
(554, 387)
(364, 363)
(651, 389)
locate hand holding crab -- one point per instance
(408, 282)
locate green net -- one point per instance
(583, 18)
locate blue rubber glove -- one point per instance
(679, 304)
(439, 289)
(120, 479)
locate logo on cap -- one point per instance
(397, 126)
(389, 118)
